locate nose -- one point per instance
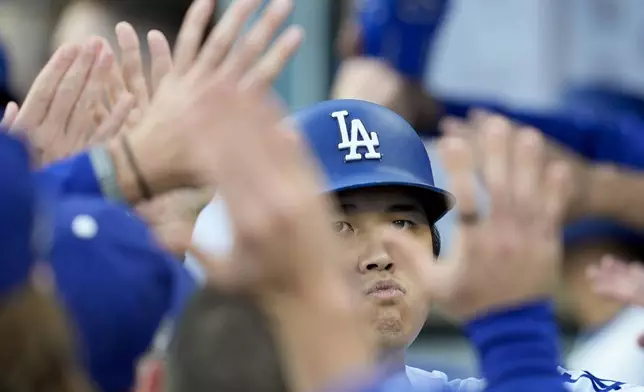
(379, 263)
(375, 258)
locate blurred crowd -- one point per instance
(166, 229)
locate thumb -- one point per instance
(406, 250)
(10, 114)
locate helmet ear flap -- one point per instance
(436, 240)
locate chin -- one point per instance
(389, 325)
(393, 329)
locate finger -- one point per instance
(92, 95)
(478, 116)
(255, 42)
(609, 264)
(495, 136)
(458, 159)
(405, 250)
(273, 62)
(556, 195)
(72, 85)
(528, 161)
(115, 85)
(113, 123)
(226, 31)
(132, 64)
(191, 34)
(41, 93)
(613, 289)
(161, 57)
(453, 126)
(9, 116)
(81, 122)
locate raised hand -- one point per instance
(286, 254)
(56, 115)
(618, 280)
(179, 122)
(582, 172)
(509, 255)
(129, 77)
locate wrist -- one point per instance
(160, 175)
(601, 199)
(125, 178)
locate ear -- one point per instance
(150, 376)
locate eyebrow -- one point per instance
(396, 208)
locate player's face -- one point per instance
(393, 293)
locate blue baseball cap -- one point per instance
(17, 213)
(117, 284)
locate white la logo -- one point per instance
(360, 137)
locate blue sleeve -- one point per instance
(518, 349)
(401, 31)
(74, 175)
(618, 140)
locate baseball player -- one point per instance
(379, 170)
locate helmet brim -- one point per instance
(435, 201)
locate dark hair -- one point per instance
(436, 240)
(224, 343)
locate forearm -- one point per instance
(616, 194)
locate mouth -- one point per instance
(385, 289)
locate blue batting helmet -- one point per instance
(363, 145)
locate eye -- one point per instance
(342, 227)
(403, 224)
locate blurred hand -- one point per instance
(129, 78)
(581, 171)
(179, 123)
(620, 281)
(286, 254)
(174, 213)
(56, 115)
(510, 255)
